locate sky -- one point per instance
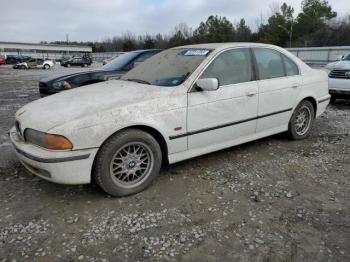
(94, 20)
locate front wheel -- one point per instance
(127, 162)
(46, 66)
(301, 121)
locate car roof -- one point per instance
(220, 46)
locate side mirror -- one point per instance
(208, 84)
(340, 58)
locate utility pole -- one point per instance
(67, 39)
(290, 33)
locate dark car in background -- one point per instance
(15, 59)
(77, 61)
(113, 70)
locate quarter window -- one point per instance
(231, 67)
(269, 63)
(291, 67)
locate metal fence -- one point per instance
(320, 55)
(99, 57)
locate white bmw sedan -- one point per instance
(183, 102)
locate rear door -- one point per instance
(279, 82)
(217, 117)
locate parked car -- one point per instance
(113, 70)
(181, 103)
(339, 78)
(35, 63)
(77, 61)
(14, 59)
(2, 60)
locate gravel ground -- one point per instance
(269, 200)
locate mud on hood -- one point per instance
(49, 112)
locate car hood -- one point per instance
(53, 111)
(339, 65)
(64, 77)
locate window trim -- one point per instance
(193, 89)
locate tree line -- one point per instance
(316, 25)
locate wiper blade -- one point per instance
(138, 81)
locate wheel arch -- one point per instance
(313, 101)
(150, 130)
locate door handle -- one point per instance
(295, 86)
(250, 94)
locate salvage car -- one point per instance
(113, 70)
(14, 59)
(181, 103)
(35, 63)
(339, 78)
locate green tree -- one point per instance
(314, 17)
(278, 29)
(243, 32)
(148, 42)
(215, 29)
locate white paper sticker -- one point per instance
(196, 52)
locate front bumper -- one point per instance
(63, 167)
(339, 86)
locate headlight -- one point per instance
(61, 85)
(54, 142)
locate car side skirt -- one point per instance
(177, 157)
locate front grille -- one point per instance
(337, 73)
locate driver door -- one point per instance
(218, 118)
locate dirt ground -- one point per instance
(269, 200)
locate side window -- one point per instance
(291, 68)
(269, 62)
(231, 67)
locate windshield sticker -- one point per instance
(195, 52)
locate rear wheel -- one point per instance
(46, 66)
(302, 121)
(127, 163)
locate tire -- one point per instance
(302, 120)
(46, 66)
(23, 67)
(333, 99)
(113, 166)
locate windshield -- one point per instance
(120, 62)
(347, 58)
(168, 68)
